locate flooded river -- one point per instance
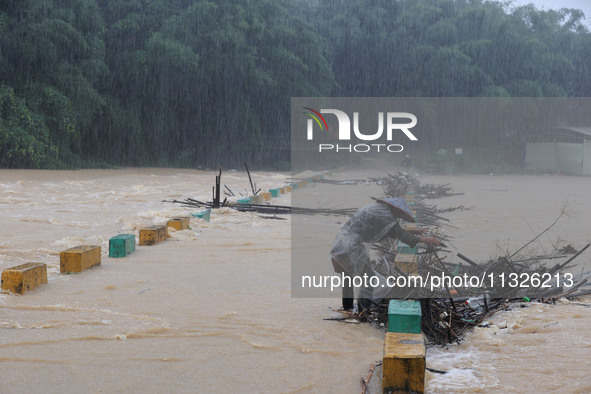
(210, 309)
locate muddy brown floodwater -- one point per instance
(210, 309)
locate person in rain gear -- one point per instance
(406, 162)
(371, 224)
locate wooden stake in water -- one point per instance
(254, 191)
(217, 190)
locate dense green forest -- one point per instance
(198, 83)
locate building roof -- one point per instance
(581, 132)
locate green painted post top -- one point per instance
(124, 236)
(205, 214)
(404, 307)
(406, 249)
(121, 245)
(404, 316)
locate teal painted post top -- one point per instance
(205, 214)
(406, 249)
(404, 316)
(121, 245)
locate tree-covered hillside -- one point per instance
(202, 83)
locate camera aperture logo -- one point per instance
(371, 142)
